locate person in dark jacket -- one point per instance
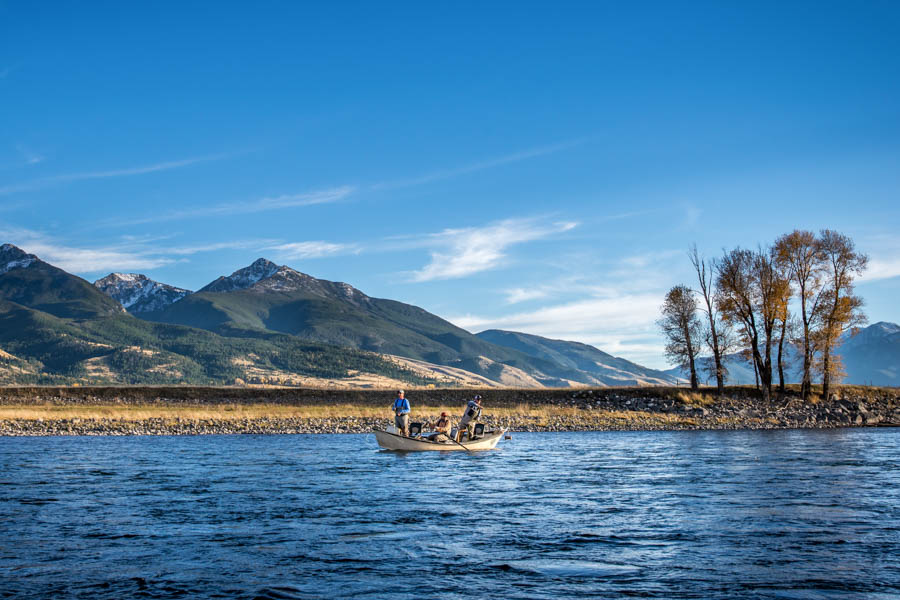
(469, 418)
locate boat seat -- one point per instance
(415, 429)
(479, 430)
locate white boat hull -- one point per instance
(392, 441)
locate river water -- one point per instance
(778, 514)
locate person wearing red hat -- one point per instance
(441, 429)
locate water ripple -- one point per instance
(785, 514)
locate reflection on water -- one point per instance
(779, 514)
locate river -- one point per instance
(795, 514)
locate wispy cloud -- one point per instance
(30, 157)
(516, 295)
(881, 267)
(612, 304)
(474, 167)
(463, 252)
(129, 254)
(884, 257)
(27, 158)
(55, 180)
(239, 208)
(621, 325)
(79, 259)
(573, 317)
(230, 245)
(93, 260)
(648, 259)
(311, 249)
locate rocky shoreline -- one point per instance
(626, 409)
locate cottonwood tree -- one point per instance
(752, 289)
(800, 254)
(773, 295)
(736, 298)
(840, 309)
(716, 335)
(783, 314)
(682, 328)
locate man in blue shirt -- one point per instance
(401, 413)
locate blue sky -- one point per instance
(540, 167)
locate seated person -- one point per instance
(441, 429)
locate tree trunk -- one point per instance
(826, 370)
(762, 382)
(805, 383)
(695, 385)
(690, 349)
(781, 358)
(717, 357)
(756, 374)
(686, 332)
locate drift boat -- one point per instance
(394, 441)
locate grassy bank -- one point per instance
(266, 418)
(115, 411)
(137, 412)
(540, 417)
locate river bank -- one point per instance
(195, 411)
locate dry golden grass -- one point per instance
(541, 415)
(695, 399)
(257, 411)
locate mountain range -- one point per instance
(264, 324)
(56, 328)
(268, 324)
(268, 297)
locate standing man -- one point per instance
(401, 413)
(470, 416)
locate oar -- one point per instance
(458, 444)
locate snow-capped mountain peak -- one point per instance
(286, 279)
(138, 293)
(265, 276)
(12, 257)
(243, 278)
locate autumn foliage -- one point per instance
(755, 293)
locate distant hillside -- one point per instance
(267, 297)
(603, 368)
(58, 328)
(871, 357)
(29, 281)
